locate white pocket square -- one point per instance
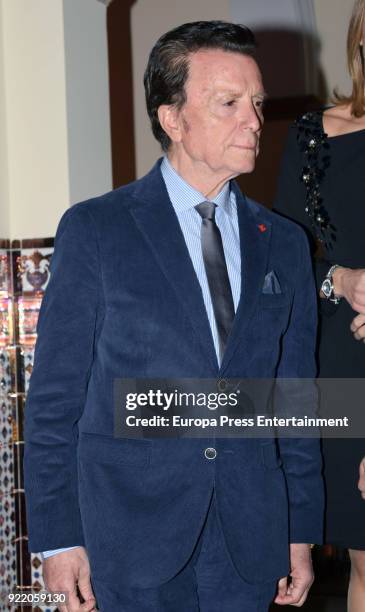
(271, 284)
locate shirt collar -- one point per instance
(184, 197)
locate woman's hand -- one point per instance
(350, 284)
(361, 483)
(358, 327)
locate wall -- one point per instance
(33, 54)
(4, 196)
(88, 120)
(287, 43)
(54, 111)
(332, 23)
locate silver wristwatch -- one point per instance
(327, 286)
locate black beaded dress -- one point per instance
(322, 186)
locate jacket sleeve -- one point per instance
(297, 396)
(290, 201)
(63, 358)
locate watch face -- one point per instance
(327, 287)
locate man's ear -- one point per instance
(168, 116)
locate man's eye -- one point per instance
(230, 103)
(259, 103)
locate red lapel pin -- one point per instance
(262, 227)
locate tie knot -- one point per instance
(206, 210)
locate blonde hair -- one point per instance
(355, 62)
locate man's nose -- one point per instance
(251, 118)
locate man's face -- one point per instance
(221, 121)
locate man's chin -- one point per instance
(246, 164)
(245, 168)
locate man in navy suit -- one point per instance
(177, 275)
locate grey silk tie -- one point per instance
(217, 274)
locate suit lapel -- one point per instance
(254, 246)
(156, 219)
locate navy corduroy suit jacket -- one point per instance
(123, 301)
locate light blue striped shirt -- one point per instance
(183, 198)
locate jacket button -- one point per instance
(210, 453)
(222, 384)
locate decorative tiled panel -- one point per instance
(36, 569)
(28, 357)
(8, 561)
(8, 574)
(6, 421)
(33, 270)
(28, 310)
(5, 273)
(6, 448)
(5, 373)
(6, 321)
(24, 275)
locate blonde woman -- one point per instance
(322, 186)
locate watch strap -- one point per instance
(332, 297)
